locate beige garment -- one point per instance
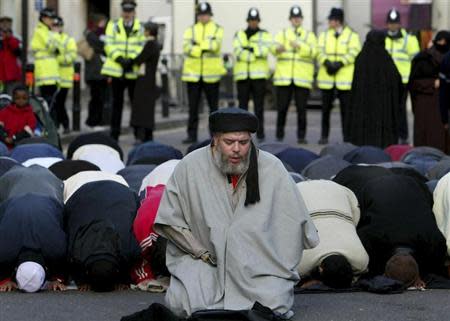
(258, 247)
(105, 157)
(441, 208)
(72, 184)
(160, 175)
(335, 213)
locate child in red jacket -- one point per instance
(17, 121)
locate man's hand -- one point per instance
(209, 258)
(309, 283)
(249, 49)
(437, 84)
(84, 287)
(122, 287)
(8, 286)
(295, 45)
(446, 128)
(280, 49)
(56, 285)
(419, 284)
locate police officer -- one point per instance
(44, 44)
(295, 50)
(124, 40)
(203, 65)
(337, 51)
(66, 59)
(402, 47)
(251, 47)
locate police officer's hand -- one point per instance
(120, 60)
(338, 65)
(128, 65)
(295, 45)
(56, 52)
(280, 49)
(330, 67)
(251, 49)
(8, 286)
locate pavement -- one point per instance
(75, 306)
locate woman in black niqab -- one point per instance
(376, 93)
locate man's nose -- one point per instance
(236, 147)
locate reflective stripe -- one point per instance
(47, 78)
(204, 76)
(44, 58)
(327, 82)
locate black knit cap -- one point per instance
(232, 119)
(235, 119)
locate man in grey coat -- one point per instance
(236, 224)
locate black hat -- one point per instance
(204, 8)
(253, 14)
(6, 19)
(295, 12)
(336, 14)
(58, 22)
(393, 16)
(232, 119)
(128, 5)
(47, 12)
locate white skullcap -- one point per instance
(30, 277)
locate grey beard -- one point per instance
(229, 169)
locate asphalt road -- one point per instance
(432, 305)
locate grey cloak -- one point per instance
(258, 248)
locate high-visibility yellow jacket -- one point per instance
(402, 51)
(202, 53)
(118, 44)
(66, 59)
(344, 48)
(295, 65)
(44, 46)
(251, 55)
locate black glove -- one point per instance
(56, 52)
(251, 49)
(193, 42)
(330, 67)
(338, 65)
(126, 64)
(21, 135)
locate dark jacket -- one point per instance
(396, 211)
(98, 220)
(31, 222)
(146, 91)
(93, 67)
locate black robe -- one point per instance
(428, 128)
(376, 95)
(33, 222)
(395, 212)
(146, 91)
(355, 177)
(99, 219)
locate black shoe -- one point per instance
(323, 141)
(280, 138)
(302, 141)
(189, 140)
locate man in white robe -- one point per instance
(236, 224)
(340, 256)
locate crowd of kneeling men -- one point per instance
(88, 220)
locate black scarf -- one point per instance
(252, 179)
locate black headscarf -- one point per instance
(376, 88)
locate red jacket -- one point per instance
(10, 69)
(15, 119)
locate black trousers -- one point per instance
(59, 112)
(256, 88)
(194, 90)
(96, 104)
(118, 87)
(402, 121)
(48, 92)
(284, 96)
(328, 97)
